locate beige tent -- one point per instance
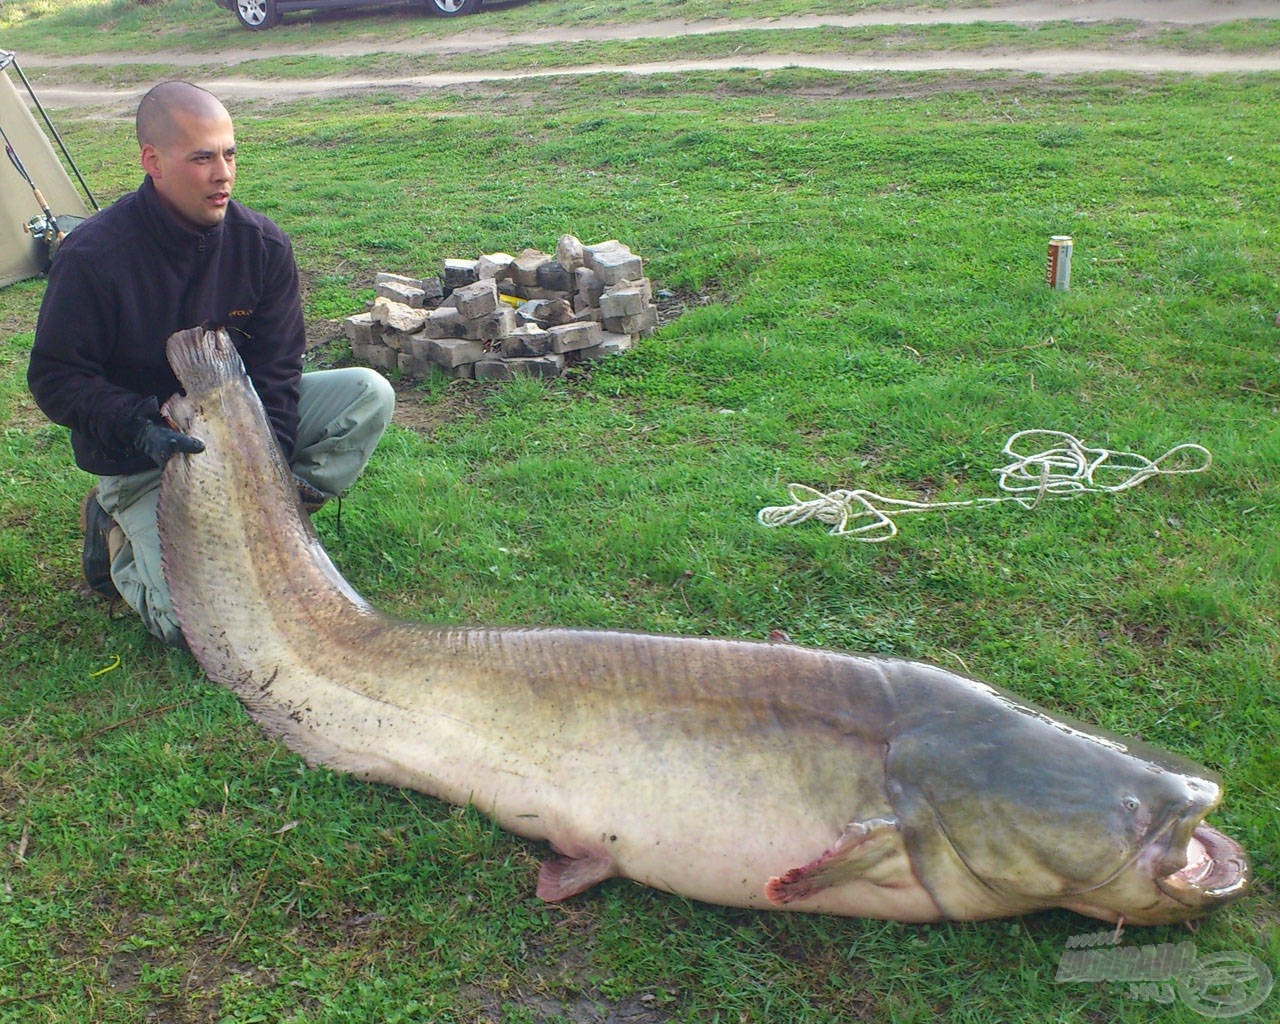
(21, 256)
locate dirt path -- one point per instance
(251, 46)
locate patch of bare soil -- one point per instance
(422, 413)
(24, 415)
(584, 1008)
(14, 323)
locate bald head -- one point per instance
(168, 104)
(188, 149)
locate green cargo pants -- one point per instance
(342, 414)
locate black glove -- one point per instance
(158, 443)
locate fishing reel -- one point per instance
(48, 233)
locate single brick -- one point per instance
(359, 329)
(458, 273)
(397, 316)
(571, 337)
(453, 352)
(476, 300)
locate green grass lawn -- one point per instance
(861, 259)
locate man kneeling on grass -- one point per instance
(178, 253)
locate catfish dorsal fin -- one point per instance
(855, 853)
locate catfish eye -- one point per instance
(1131, 804)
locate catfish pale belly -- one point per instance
(750, 774)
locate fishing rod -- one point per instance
(14, 159)
(8, 59)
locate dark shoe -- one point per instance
(311, 499)
(95, 558)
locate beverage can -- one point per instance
(1058, 270)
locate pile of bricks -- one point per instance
(500, 315)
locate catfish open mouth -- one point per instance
(1216, 871)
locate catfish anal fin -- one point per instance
(567, 876)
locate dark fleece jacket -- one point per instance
(129, 277)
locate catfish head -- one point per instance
(1006, 809)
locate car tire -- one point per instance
(257, 14)
(448, 8)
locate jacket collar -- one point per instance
(174, 236)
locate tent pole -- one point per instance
(7, 58)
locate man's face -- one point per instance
(194, 170)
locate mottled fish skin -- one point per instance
(743, 773)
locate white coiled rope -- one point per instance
(1065, 470)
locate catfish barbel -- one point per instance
(750, 774)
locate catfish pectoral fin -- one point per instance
(861, 848)
(567, 876)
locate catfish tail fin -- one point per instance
(203, 359)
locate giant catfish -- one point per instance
(751, 774)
